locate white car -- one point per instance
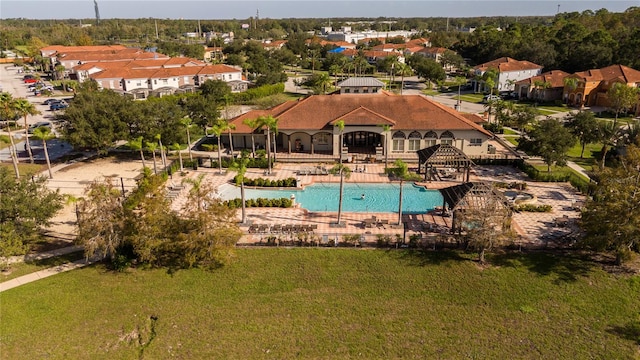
(488, 98)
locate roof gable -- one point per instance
(364, 116)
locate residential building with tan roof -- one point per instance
(592, 85)
(509, 71)
(545, 87)
(434, 53)
(308, 125)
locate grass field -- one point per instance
(19, 269)
(331, 304)
(25, 169)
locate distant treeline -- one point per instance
(568, 41)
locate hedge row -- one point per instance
(260, 202)
(576, 181)
(259, 92)
(289, 182)
(260, 163)
(533, 208)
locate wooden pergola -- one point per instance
(476, 199)
(442, 156)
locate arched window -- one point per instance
(430, 138)
(414, 141)
(398, 141)
(447, 138)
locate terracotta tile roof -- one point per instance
(183, 61)
(176, 71)
(343, 44)
(274, 44)
(380, 54)
(138, 73)
(475, 118)
(409, 112)
(413, 49)
(115, 73)
(383, 47)
(554, 77)
(98, 56)
(364, 116)
(350, 52)
(507, 64)
(624, 73)
(62, 48)
(217, 69)
(418, 42)
(433, 50)
(147, 64)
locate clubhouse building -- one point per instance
(374, 125)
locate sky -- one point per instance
(243, 9)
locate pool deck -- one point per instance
(533, 229)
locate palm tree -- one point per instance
(217, 130)
(571, 83)
(43, 134)
(540, 86)
(6, 106)
(386, 129)
(340, 125)
(137, 144)
(401, 172)
(489, 77)
(25, 108)
(270, 123)
(334, 70)
(241, 167)
(177, 148)
(163, 158)
(152, 146)
(198, 191)
(459, 81)
(344, 172)
(186, 122)
(253, 124)
(403, 70)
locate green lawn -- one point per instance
(512, 139)
(330, 303)
(25, 168)
(474, 98)
(508, 131)
(590, 157)
(554, 109)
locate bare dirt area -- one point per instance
(73, 180)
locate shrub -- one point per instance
(383, 240)
(260, 202)
(533, 208)
(259, 92)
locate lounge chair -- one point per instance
(276, 228)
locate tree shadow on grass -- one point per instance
(416, 257)
(567, 266)
(629, 331)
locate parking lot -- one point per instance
(11, 81)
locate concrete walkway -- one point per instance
(43, 255)
(25, 279)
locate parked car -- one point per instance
(30, 80)
(508, 95)
(58, 105)
(32, 127)
(50, 101)
(488, 98)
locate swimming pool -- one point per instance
(326, 196)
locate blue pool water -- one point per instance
(377, 197)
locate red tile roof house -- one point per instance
(509, 70)
(230, 74)
(416, 122)
(47, 51)
(434, 53)
(545, 87)
(592, 85)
